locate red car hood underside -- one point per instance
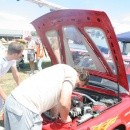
(80, 18)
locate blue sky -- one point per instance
(16, 13)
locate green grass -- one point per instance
(7, 82)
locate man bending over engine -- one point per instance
(39, 93)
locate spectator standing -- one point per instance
(31, 53)
(39, 54)
(8, 61)
(51, 88)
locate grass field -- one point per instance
(7, 82)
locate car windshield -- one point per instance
(124, 47)
(106, 84)
(81, 51)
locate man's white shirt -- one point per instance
(5, 65)
(42, 90)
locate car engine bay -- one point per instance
(85, 105)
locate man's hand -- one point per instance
(67, 120)
(2, 93)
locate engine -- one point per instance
(86, 105)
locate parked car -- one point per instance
(104, 102)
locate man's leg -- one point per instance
(39, 64)
(31, 62)
(18, 117)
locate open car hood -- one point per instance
(83, 38)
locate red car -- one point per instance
(70, 36)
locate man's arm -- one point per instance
(15, 74)
(65, 102)
(2, 93)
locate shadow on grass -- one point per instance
(1, 123)
(25, 68)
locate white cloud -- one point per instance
(11, 16)
(126, 19)
(122, 25)
(15, 22)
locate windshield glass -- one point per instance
(107, 84)
(99, 39)
(53, 39)
(125, 48)
(79, 51)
